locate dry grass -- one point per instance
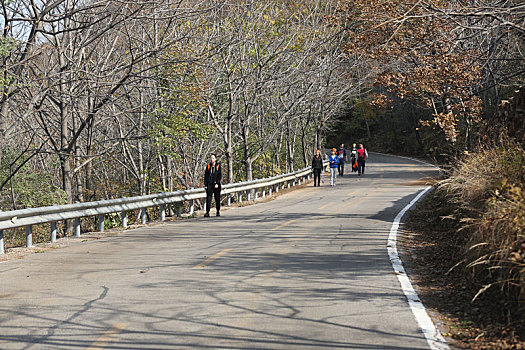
(466, 248)
(487, 194)
(472, 179)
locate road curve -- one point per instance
(308, 270)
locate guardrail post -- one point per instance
(29, 236)
(124, 217)
(288, 184)
(256, 195)
(192, 207)
(1, 242)
(248, 195)
(143, 218)
(270, 190)
(53, 231)
(263, 194)
(229, 199)
(101, 222)
(179, 209)
(77, 227)
(239, 197)
(162, 212)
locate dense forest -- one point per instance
(103, 99)
(439, 71)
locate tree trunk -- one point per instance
(169, 173)
(418, 138)
(249, 170)
(229, 149)
(368, 133)
(305, 150)
(78, 178)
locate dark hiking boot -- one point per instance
(207, 215)
(218, 213)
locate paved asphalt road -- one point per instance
(308, 270)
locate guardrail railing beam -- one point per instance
(53, 214)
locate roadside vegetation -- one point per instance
(466, 247)
(466, 243)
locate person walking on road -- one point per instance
(353, 158)
(317, 167)
(341, 153)
(334, 162)
(212, 183)
(362, 155)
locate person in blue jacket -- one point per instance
(334, 163)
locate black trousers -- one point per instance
(216, 192)
(361, 166)
(317, 177)
(341, 167)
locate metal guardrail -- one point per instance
(32, 216)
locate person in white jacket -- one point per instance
(353, 157)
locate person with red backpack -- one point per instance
(362, 155)
(212, 183)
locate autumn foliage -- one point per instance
(424, 52)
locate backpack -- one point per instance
(216, 166)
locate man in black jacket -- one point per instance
(212, 183)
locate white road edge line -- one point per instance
(434, 338)
(412, 159)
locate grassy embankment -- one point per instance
(467, 243)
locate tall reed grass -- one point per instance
(487, 193)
